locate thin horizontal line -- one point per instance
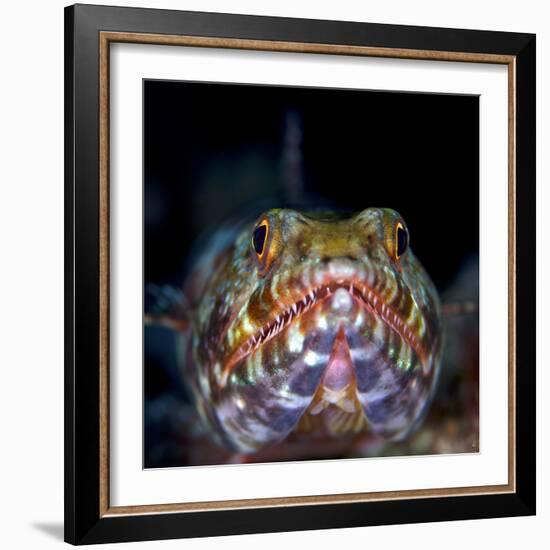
(303, 47)
(310, 500)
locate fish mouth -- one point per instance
(370, 301)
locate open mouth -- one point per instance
(369, 300)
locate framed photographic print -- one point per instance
(299, 274)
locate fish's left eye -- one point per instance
(259, 238)
(401, 240)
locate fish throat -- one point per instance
(335, 408)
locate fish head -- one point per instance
(336, 328)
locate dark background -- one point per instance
(218, 151)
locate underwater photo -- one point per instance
(311, 273)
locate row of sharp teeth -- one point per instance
(281, 321)
(368, 297)
(385, 313)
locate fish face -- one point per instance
(336, 328)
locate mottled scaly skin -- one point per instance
(329, 331)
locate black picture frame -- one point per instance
(86, 521)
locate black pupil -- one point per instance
(402, 241)
(258, 239)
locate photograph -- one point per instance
(310, 273)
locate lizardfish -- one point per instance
(309, 323)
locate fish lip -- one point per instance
(358, 289)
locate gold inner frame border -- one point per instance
(108, 37)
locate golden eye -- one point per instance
(401, 240)
(259, 238)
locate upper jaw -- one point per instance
(343, 289)
(342, 295)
